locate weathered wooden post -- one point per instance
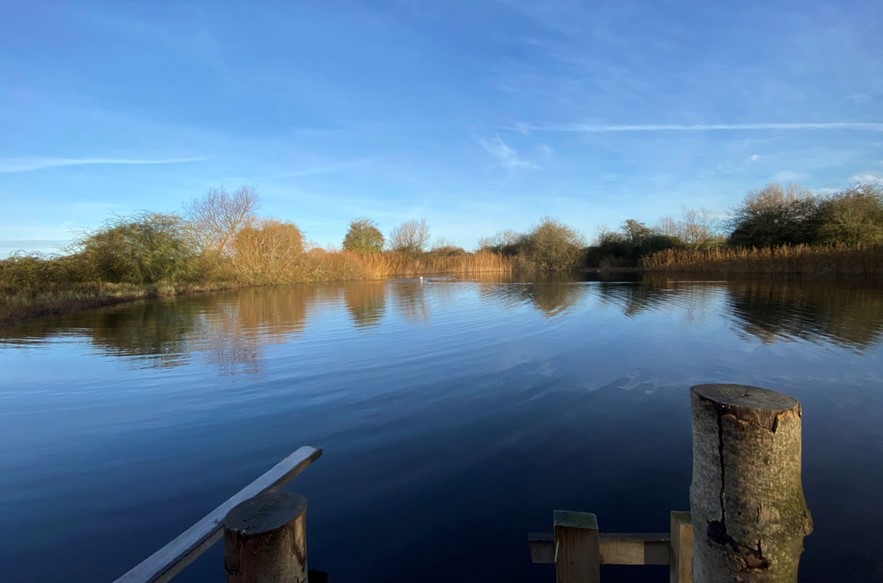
(577, 547)
(680, 568)
(265, 540)
(746, 498)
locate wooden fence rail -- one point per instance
(746, 455)
(577, 549)
(171, 559)
(747, 508)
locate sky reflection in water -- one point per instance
(455, 415)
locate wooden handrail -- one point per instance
(673, 548)
(651, 548)
(171, 559)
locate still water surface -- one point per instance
(454, 415)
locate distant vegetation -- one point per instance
(550, 246)
(220, 241)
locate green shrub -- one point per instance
(550, 246)
(853, 216)
(145, 248)
(363, 237)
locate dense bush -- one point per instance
(30, 270)
(550, 246)
(146, 248)
(853, 216)
(268, 251)
(626, 247)
(775, 216)
(363, 237)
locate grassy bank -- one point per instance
(32, 287)
(23, 303)
(862, 261)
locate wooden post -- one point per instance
(265, 540)
(577, 547)
(164, 564)
(746, 497)
(680, 568)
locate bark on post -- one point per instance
(265, 540)
(577, 547)
(746, 497)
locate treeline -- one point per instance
(220, 240)
(789, 230)
(217, 241)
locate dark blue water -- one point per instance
(454, 416)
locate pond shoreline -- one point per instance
(67, 300)
(63, 301)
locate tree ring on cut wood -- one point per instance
(265, 513)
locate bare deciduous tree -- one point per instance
(698, 226)
(504, 241)
(669, 227)
(216, 218)
(409, 237)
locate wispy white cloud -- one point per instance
(505, 154)
(867, 177)
(10, 165)
(600, 128)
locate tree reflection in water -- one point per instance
(409, 299)
(231, 328)
(365, 301)
(847, 313)
(552, 296)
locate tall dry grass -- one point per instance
(785, 260)
(379, 266)
(32, 286)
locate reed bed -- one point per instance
(33, 286)
(379, 266)
(863, 261)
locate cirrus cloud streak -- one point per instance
(11, 165)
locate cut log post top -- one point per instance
(265, 540)
(746, 497)
(757, 405)
(164, 564)
(264, 513)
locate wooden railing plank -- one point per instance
(635, 549)
(542, 547)
(616, 548)
(168, 561)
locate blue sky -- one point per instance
(477, 115)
